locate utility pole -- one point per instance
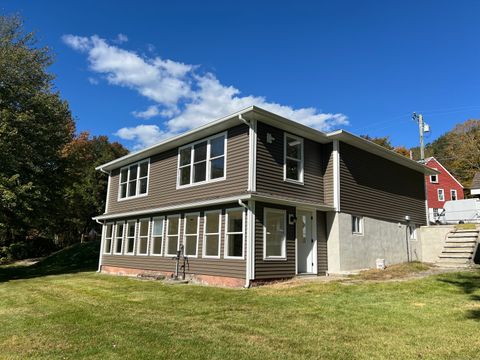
(422, 128)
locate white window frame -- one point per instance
(208, 160)
(197, 234)
(167, 240)
(120, 183)
(283, 256)
(126, 237)
(112, 238)
(119, 237)
(152, 235)
(453, 191)
(412, 231)
(436, 177)
(227, 233)
(205, 233)
(361, 225)
(139, 236)
(441, 191)
(300, 161)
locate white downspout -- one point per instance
(249, 241)
(101, 245)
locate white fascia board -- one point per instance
(376, 149)
(182, 206)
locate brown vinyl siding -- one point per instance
(376, 187)
(162, 185)
(235, 268)
(322, 259)
(327, 165)
(270, 159)
(270, 269)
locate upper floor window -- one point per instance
(134, 180)
(434, 178)
(293, 158)
(441, 195)
(453, 194)
(202, 161)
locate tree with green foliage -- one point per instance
(35, 125)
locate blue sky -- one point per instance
(141, 71)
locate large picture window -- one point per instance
(134, 180)
(119, 238)
(142, 245)
(202, 161)
(157, 236)
(211, 241)
(108, 240)
(234, 233)
(293, 159)
(173, 230)
(274, 234)
(191, 234)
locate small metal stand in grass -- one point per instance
(181, 258)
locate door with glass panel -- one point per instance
(305, 242)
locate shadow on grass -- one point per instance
(73, 259)
(468, 283)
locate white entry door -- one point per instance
(305, 242)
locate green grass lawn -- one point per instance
(78, 314)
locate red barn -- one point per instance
(441, 187)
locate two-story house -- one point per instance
(255, 196)
(441, 187)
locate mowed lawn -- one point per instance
(88, 315)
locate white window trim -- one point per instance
(151, 235)
(302, 159)
(225, 250)
(126, 237)
(412, 234)
(137, 180)
(442, 191)
(204, 244)
(121, 237)
(436, 175)
(197, 214)
(208, 159)
(112, 238)
(167, 234)
(453, 191)
(361, 225)
(138, 236)
(282, 257)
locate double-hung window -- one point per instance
(130, 238)
(118, 238)
(142, 245)
(441, 195)
(275, 234)
(293, 158)
(234, 233)
(211, 240)
(134, 180)
(191, 234)
(157, 236)
(202, 161)
(108, 240)
(173, 233)
(357, 225)
(453, 194)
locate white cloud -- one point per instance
(182, 97)
(120, 39)
(93, 81)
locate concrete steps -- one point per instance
(459, 249)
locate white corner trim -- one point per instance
(252, 156)
(336, 175)
(250, 268)
(107, 201)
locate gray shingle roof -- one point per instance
(476, 181)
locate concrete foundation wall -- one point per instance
(380, 240)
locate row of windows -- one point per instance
(205, 161)
(441, 194)
(161, 236)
